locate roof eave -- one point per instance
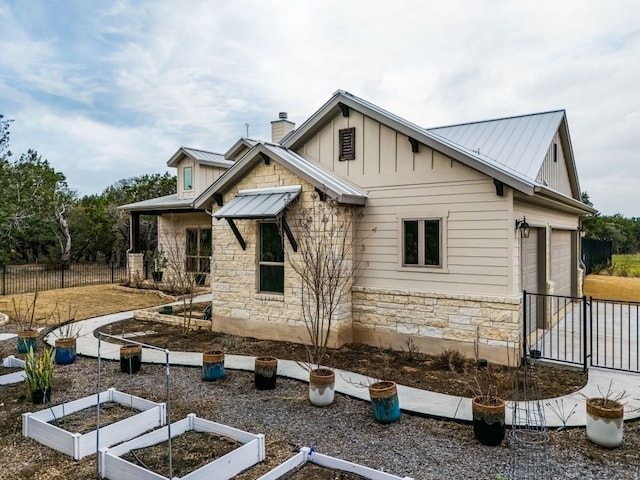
(570, 203)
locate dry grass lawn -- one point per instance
(90, 301)
(612, 288)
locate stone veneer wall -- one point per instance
(234, 275)
(486, 326)
(135, 267)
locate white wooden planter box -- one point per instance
(76, 445)
(308, 455)
(113, 467)
(15, 377)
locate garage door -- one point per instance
(530, 276)
(561, 261)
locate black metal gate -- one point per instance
(582, 331)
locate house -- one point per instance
(466, 217)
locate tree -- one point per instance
(324, 263)
(132, 190)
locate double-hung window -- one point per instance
(271, 259)
(198, 250)
(422, 242)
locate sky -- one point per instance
(111, 90)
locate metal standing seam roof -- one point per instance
(429, 137)
(519, 143)
(167, 202)
(317, 172)
(259, 202)
(200, 156)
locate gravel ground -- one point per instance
(421, 448)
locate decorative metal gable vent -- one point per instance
(347, 143)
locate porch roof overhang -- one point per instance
(259, 203)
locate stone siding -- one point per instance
(472, 322)
(235, 271)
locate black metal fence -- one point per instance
(17, 279)
(596, 253)
(582, 331)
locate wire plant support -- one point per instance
(529, 438)
(102, 335)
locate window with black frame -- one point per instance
(422, 242)
(198, 250)
(271, 259)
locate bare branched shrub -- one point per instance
(324, 262)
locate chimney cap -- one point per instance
(282, 115)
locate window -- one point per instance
(422, 242)
(271, 260)
(198, 250)
(187, 180)
(347, 143)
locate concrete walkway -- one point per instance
(567, 410)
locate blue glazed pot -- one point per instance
(385, 406)
(27, 339)
(65, 351)
(212, 365)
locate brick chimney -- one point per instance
(280, 127)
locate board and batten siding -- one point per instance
(202, 176)
(401, 184)
(553, 172)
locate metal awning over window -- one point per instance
(259, 203)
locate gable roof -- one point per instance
(513, 172)
(199, 156)
(314, 173)
(239, 145)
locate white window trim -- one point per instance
(420, 214)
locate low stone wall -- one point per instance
(476, 325)
(154, 315)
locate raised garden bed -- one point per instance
(114, 466)
(39, 426)
(17, 376)
(297, 468)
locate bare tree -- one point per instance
(324, 231)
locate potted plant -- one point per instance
(66, 333)
(159, 264)
(212, 365)
(265, 372)
(39, 371)
(130, 358)
(488, 411)
(24, 315)
(605, 418)
(324, 262)
(385, 406)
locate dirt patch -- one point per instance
(445, 372)
(310, 471)
(86, 419)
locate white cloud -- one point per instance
(135, 80)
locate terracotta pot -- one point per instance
(212, 365)
(322, 386)
(385, 406)
(27, 339)
(265, 369)
(488, 420)
(605, 423)
(65, 350)
(130, 358)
